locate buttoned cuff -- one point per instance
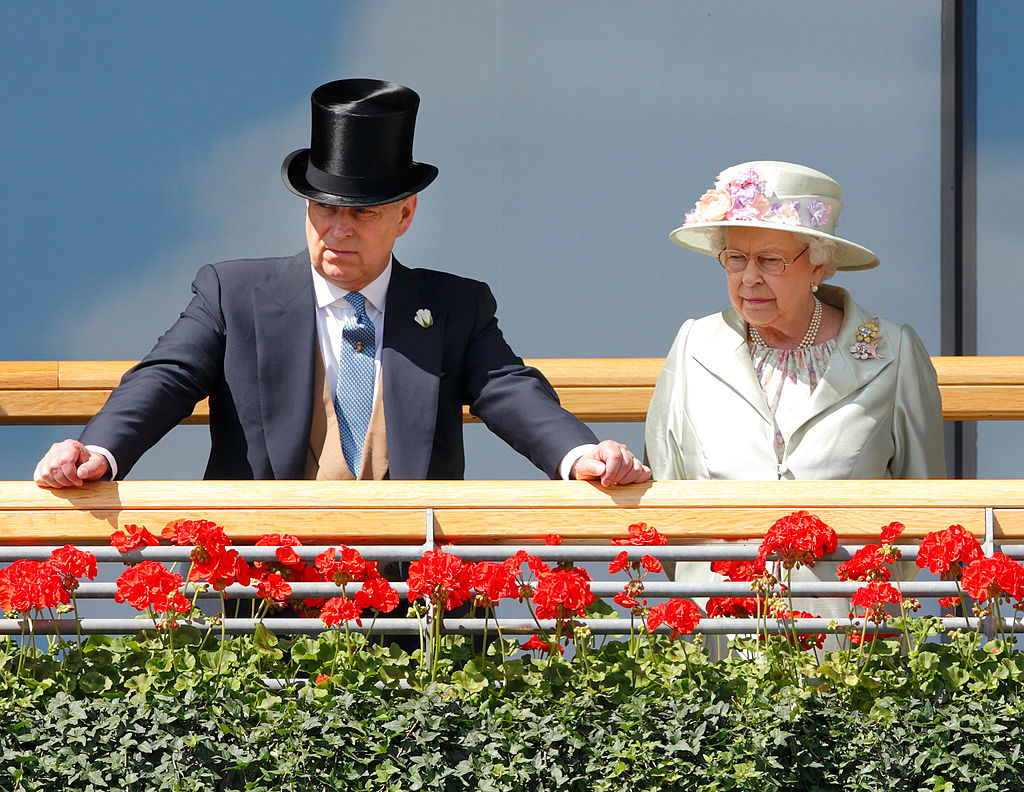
(570, 459)
(112, 475)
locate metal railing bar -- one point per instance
(989, 543)
(406, 626)
(600, 588)
(694, 552)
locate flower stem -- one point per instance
(795, 644)
(220, 650)
(78, 621)
(963, 602)
(904, 611)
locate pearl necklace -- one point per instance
(809, 336)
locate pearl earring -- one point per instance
(814, 288)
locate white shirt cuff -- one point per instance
(109, 457)
(570, 459)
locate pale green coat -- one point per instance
(867, 419)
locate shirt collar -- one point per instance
(375, 292)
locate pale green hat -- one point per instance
(772, 195)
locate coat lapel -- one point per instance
(284, 321)
(410, 375)
(845, 373)
(723, 352)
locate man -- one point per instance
(339, 362)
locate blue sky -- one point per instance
(143, 141)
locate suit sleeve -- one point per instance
(917, 414)
(515, 401)
(164, 387)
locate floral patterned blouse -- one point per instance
(788, 377)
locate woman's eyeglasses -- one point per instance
(768, 263)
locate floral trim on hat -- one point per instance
(866, 345)
(746, 198)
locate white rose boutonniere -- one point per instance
(424, 318)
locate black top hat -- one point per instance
(360, 150)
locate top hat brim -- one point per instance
(363, 191)
(695, 236)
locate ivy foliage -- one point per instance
(129, 714)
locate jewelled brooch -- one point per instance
(866, 345)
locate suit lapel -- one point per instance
(723, 352)
(284, 322)
(410, 374)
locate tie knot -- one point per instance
(357, 301)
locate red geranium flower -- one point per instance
(873, 597)
(620, 562)
(286, 557)
(207, 537)
(220, 569)
(740, 571)
(378, 594)
(994, 578)
(535, 644)
(491, 582)
(344, 567)
(798, 539)
(553, 539)
(132, 537)
(439, 577)
(945, 552)
(563, 594)
(339, 609)
(857, 639)
(736, 607)
(290, 566)
(273, 587)
(72, 563)
(642, 534)
(867, 563)
(679, 614)
(26, 585)
(151, 585)
(624, 600)
(523, 583)
(891, 532)
(533, 563)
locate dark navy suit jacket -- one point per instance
(247, 340)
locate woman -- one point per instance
(795, 380)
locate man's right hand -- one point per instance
(69, 464)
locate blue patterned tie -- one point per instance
(353, 395)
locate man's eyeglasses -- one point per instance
(768, 263)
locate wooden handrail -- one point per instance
(595, 389)
(501, 512)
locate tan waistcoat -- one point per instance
(325, 460)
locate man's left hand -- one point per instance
(611, 463)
